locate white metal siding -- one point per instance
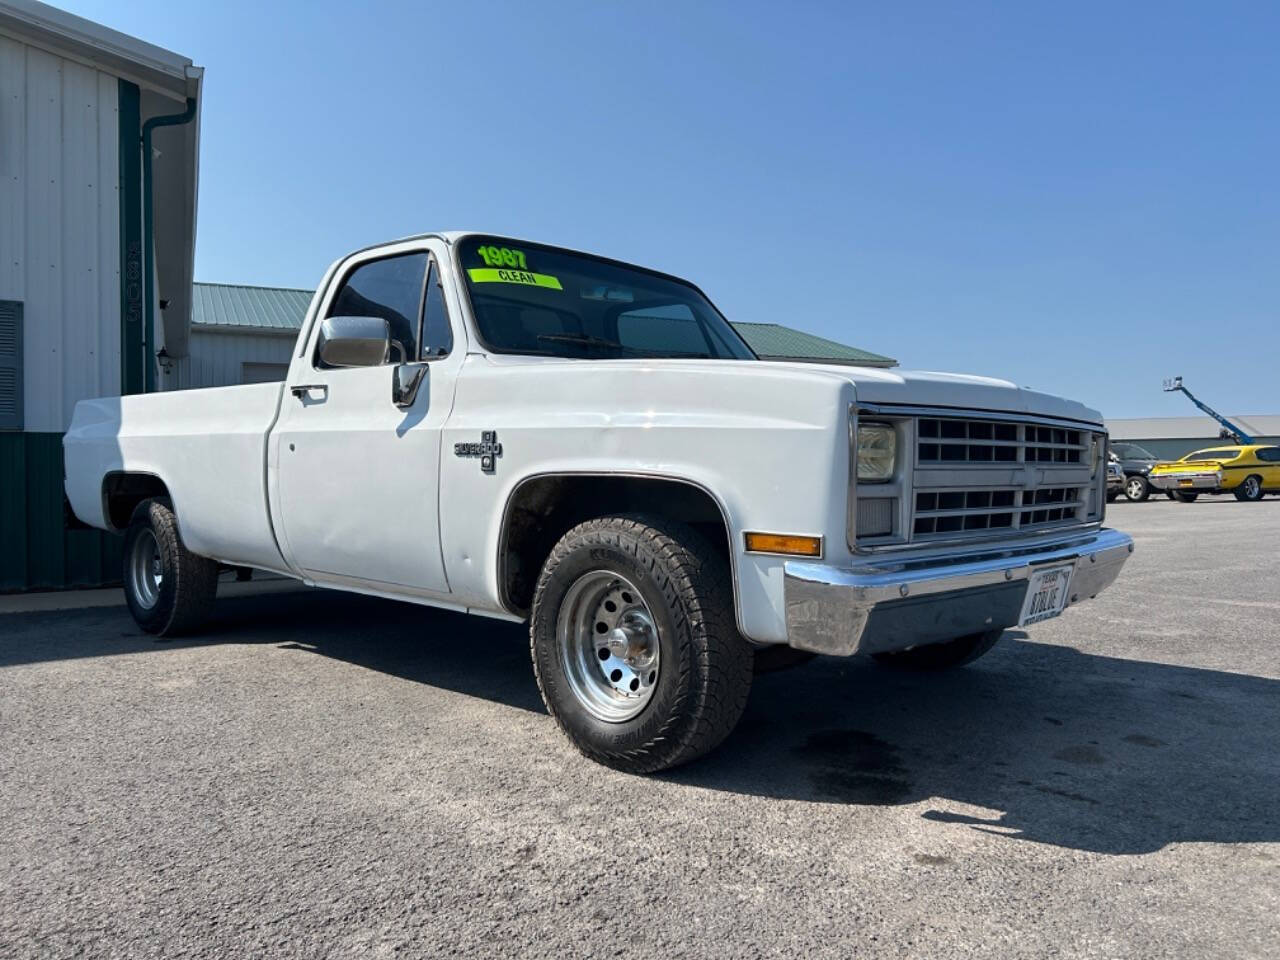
(60, 227)
(215, 358)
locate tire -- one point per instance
(1136, 488)
(673, 612)
(1183, 497)
(1250, 489)
(935, 657)
(179, 599)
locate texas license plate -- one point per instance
(1046, 594)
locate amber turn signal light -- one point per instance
(784, 543)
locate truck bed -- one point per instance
(209, 448)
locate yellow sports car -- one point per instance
(1246, 470)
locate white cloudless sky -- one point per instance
(1079, 197)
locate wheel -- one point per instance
(634, 644)
(168, 588)
(1136, 488)
(1182, 497)
(1250, 489)
(941, 656)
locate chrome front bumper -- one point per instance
(888, 603)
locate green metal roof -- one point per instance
(776, 342)
(262, 308)
(276, 308)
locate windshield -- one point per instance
(1211, 455)
(532, 299)
(1131, 451)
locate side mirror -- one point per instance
(354, 341)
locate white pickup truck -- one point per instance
(531, 433)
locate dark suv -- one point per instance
(1136, 463)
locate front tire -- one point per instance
(934, 657)
(1136, 488)
(168, 588)
(634, 644)
(1250, 489)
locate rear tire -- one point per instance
(1183, 497)
(1250, 489)
(934, 657)
(168, 588)
(634, 643)
(1136, 488)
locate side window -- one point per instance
(1269, 454)
(437, 335)
(671, 328)
(391, 289)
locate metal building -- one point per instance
(99, 139)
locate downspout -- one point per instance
(149, 238)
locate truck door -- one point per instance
(356, 479)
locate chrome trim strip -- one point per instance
(828, 608)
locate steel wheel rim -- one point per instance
(146, 575)
(1250, 487)
(608, 645)
(1134, 488)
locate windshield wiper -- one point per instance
(586, 340)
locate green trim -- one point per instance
(131, 312)
(38, 552)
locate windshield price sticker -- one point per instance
(502, 257)
(524, 277)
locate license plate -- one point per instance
(1046, 594)
(1184, 483)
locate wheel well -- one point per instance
(122, 492)
(543, 509)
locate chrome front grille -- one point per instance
(967, 441)
(955, 511)
(951, 440)
(981, 477)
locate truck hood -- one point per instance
(927, 388)
(916, 388)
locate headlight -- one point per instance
(877, 451)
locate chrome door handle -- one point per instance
(302, 389)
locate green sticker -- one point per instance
(486, 275)
(494, 256)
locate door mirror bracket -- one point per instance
(406, 381)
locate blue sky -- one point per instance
(1079, 197)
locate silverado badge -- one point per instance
(488, 450)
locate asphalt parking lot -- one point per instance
(325, 775)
